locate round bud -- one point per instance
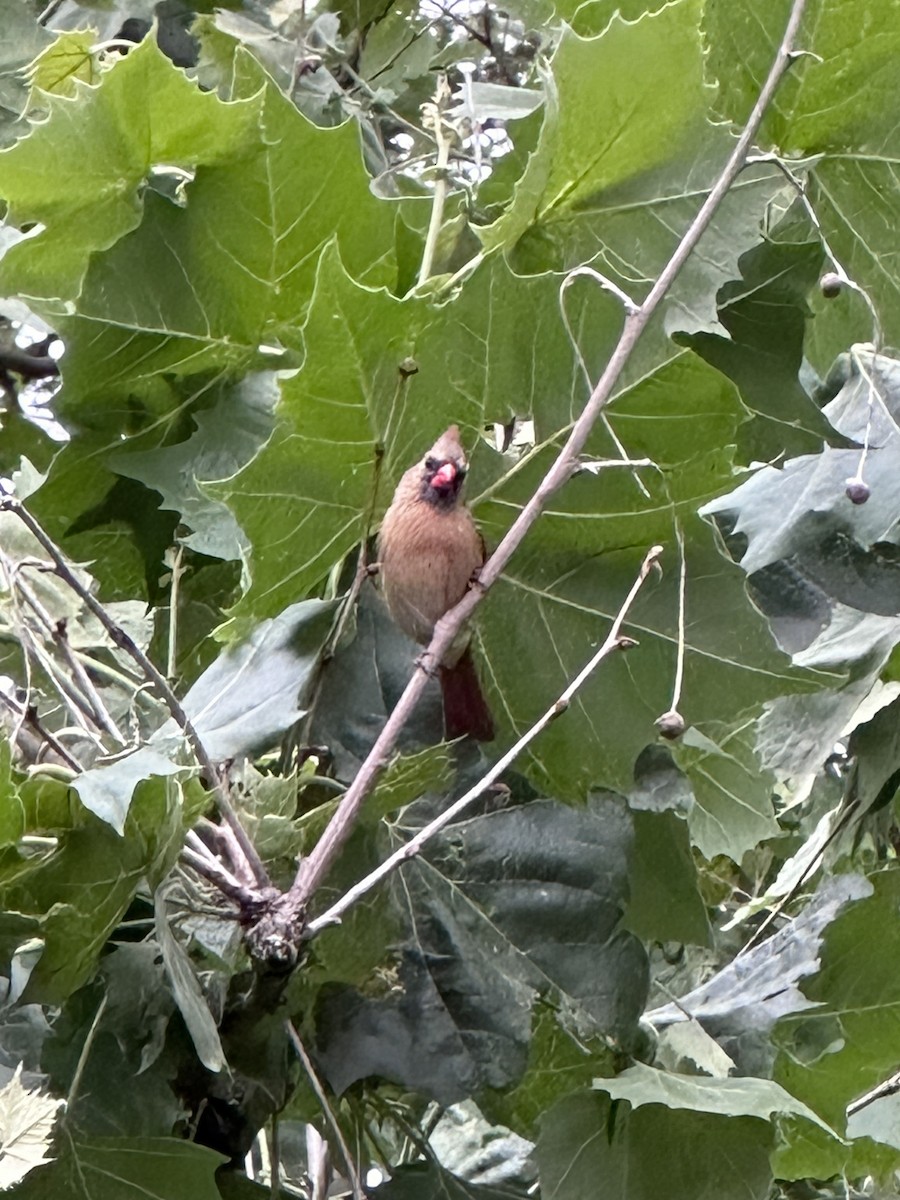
(671, 725)
(831, 285)
(857, 490)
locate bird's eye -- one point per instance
(431, 464)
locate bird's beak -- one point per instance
(445, 475)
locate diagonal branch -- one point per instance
(314, 868)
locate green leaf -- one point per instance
(79, 890)
(80, 172)
(606, 184)
(12, 814)
(511, 905)
(249, 695)
(106, 791)
(695, 1156)
(732, 808)
(665, 904)
(69, 61)
(762, 1098)
(851, 126)
(841, 1048)
(24, 38)
(226, 438)
(127, 1168)
(765, 315)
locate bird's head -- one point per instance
(444, 470)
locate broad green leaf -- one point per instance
(79, 890)
(129, 1045)
(732, 808)
(838, 102)
(665, 904)
(527, 901)
(558, 1063)
(742, 1002)
(841, 1048)
(606, 183)
(80, 172)
(695, 1155)
(106, 791)
(765, 315)
(762, 1098)
(127, 1168)
(249, 696)
(227, 436)
(65, 64)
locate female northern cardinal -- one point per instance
(429, 550)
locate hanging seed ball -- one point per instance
(671, 725)
(857, 490)
(831, 285)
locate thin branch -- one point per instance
(630, 307)
(314, 1082)
(27, 715)
(682, 588)
(197, 855)
(614, 641)
(125, 642)
(174, 590)
(433, 114)
(314, 868)
(890, 1087)
(85, 1052)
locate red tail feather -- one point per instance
(465, 708)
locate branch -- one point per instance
(163, 690)
(314, 868)
(614, 641)
(890, 1087)
(314, 1082)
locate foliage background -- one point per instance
(214, 214)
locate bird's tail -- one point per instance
(465, 708)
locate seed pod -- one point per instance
(857, 490)
(671, 725)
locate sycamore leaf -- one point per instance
(27, 1119)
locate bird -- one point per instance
(429, 550)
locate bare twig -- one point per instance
(314, 1082)
(316, 865)
(157, 679)
(197, 855)
(433, 114)
(682, 588)
(890, 1087)
(174, 591)
(27, 715)
(613, 641)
